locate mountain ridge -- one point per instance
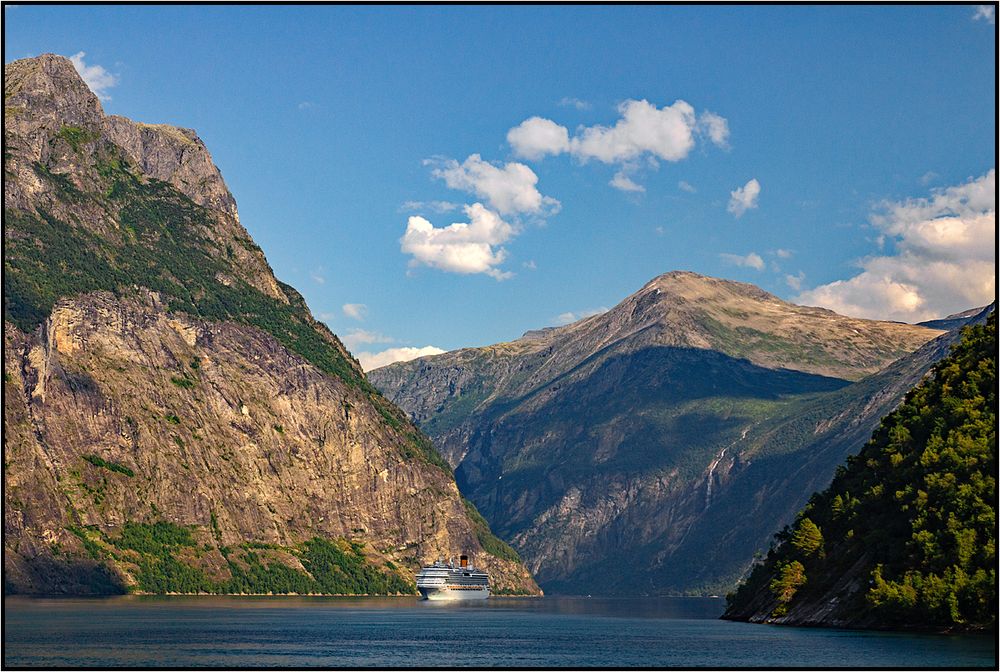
(616, 437)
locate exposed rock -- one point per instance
(223, 409)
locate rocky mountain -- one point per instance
(905, 536)
(175, 420)
(956, 321)
(669, 435)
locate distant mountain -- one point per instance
(175, 419)
(905, 536)
(955, 321)
(652, 449)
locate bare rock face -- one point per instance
(175, 418)
(672, 434)
(62, 147)
(174, 155)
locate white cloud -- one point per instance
(356, 337)
(624, 183)
(575, 102)
(943, 258)
(795, 281)
(744, 198)
(530, 265)
(461, 247)
(509, 188)
(783, 254)
(306, 105)
(431, 206)
(986, 13)
(355, 311)
(715, 127)
(666, 133)
(370, 361)
(97, 78)
(751, 260)
(928, 177)
(570, 317)
(536, 137)
(317, 275)
(686, 186)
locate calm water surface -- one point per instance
(363, 632)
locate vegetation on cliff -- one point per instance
(166, 558)
(905, 536)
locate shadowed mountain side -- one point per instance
(671, 435)
(904, 536)
(637, 430)
(775, 485)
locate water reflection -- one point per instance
(403, 631)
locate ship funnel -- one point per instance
(464, 560)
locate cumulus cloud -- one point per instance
(570, 317)
(715, 127)
(508, 188)
(666, 133)
(744, 198)
(752, 260)
(783, 254)
(986, 13)
(370, 360)
(623, 182)
(942, 258)
(536, 137)
(355, 311)
(462, 247)
(97, 78)
(686, 186)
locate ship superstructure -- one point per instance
(446, 581)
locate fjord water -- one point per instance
(391, 632)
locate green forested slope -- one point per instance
(905, 536)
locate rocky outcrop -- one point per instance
(174, 417)
(174, 155)
(669, 434)
(61, 147)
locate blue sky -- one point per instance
(837, 156)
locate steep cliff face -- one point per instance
(174, 417)
(905, 536)
(669, 434)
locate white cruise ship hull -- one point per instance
(446, 593)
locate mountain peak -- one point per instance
(51, 88)
(694, 285)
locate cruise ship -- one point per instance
(442, 581)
